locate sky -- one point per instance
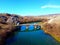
(30, 7)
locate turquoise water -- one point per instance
(31, 38)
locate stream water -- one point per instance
(31, 38)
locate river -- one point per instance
(31, 38)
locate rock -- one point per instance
(7, 27)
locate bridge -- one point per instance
(36, 27)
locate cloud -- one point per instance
(50, 6)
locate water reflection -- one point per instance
(23, 28)
(31, 27)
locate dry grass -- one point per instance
(53, 28)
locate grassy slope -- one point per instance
(53, 28)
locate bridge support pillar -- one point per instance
(27, 28)
(35, 27)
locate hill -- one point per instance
(8, 22)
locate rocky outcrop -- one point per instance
(7, 26)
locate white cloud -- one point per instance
(50, 6)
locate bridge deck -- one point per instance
(29, 24)
(36, 27)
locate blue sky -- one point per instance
(30, 7)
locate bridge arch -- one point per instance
(29, 27)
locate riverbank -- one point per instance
(52, 28)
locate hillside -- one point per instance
(52, 27)
(8, 22)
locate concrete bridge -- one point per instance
(36, 27)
